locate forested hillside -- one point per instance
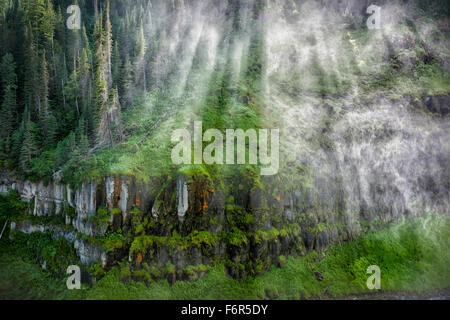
(67, 93)
(61, 87)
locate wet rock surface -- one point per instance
(438, 104)
(386, 162)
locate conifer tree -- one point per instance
(39, 14)
(30, 146)
(31, 85)
(116, 65)
(47, 27)
(52, 132)
(108, 42)
(9, 103)
(107, 112)
(35, 12)
(82, 140)
(84, 77)
(72, 91)
(16, 142)
(73, 46)
(127, 83)
(140, 65)
(43, 101)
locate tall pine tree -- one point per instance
(107, 113)
(9, 103)
(30, 147)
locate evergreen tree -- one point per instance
(43, 92)
(116, 65)
(107, 111)
(52, 132)
(72, 91)
(108, 42)
(73, 47)
(43, 101)
(57, 66)
(82, 140)
(7, 119)
(8, 106)
(16, 142)
(140, 65)
(49, 21)
(29, 147)
(35, 12)
(8, 70)
(31, 85)
(39, 14)
(84, 77)
(84, 39)
(127, 83)
(100, 76)
(60, 27)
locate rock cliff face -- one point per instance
(389, 169)
(352, 156)
(60, 200)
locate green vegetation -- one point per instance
(114, 241)
(54, 254)
(198, 238)
(84, 104)
(56, 118)
(413, 256)
(23, 278)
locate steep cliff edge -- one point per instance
(179, 225)
(362, 116)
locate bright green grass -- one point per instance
(412, 256)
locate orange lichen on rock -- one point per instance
(203, 189)
(115, 198)
(204, 199)
(138, 201)
(205, 203)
